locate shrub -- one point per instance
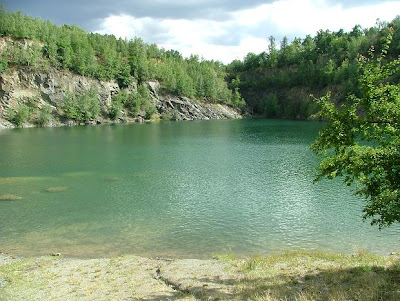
(166, 116)
(133, 103)
(124, 77)
(136, 102)
(89, 105)
(237, 100)
(149, 108)
(82, 108)
(115, 110)
(70, 107)
(3, 65)
(44, 116)
(21, 115)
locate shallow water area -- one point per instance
(178, 189)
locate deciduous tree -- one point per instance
(361, 142)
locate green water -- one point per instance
(182, 189)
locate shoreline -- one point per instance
(292, 275)
(181, 256)
(6, 125)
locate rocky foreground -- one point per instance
(298, 276)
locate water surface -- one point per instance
(182, 189)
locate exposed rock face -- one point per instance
(23, 85)
(183, 108)
(50, 87)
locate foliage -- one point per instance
(44, 116)
(41, 44)
(3, 65)
(131, 101)
(21, 115)
(166, 116)
(313, 65)
(272, 106)
(237, 99)
(135, 103)
(362, 140)
(124, 77)
(70, 107)
(114, 111)
(327, 61)
(146, 103)
(82, 108)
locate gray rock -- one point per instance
(154, 87)
(20, 85)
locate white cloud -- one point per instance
(307, 16)
(125, 26)
(250, 27)
(223, 53)
(121, 26)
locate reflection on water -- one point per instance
(184, 189)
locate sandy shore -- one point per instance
(289, 276)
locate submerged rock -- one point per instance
(110, 179)
(56, 189)
(9, 197)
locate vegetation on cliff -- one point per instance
(279, 81)
(276, 83)
(105, 57)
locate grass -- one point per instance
(303, 276)
(291, 276)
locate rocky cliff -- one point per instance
(39, 89)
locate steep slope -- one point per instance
(39, 91)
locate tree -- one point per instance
(124, 77)
(237, 99)
(282, 59)
(114, 111)
(88, 105)
(146, 103)
(272, 52)
(40, 44)
(271, 106)
(362, 140)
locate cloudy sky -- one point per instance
(221, 30)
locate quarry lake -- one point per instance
(179, 189)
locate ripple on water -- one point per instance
(185, 190)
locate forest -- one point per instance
(106, 57)
(276, 83)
